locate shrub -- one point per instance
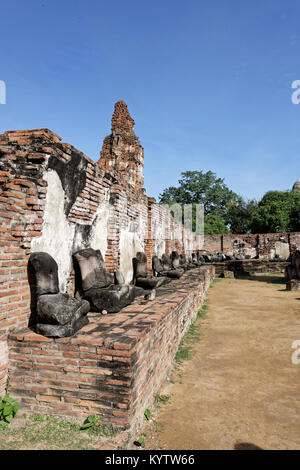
(8, 408)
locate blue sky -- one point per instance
(208, 82)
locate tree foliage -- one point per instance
(278, 211)
(225, 211)
(223, 208)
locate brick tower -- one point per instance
(122, 150)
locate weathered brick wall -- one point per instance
(294, 241)
(213, 243)
(112, 367)
(53, 198)
(265, 246)
(22, 199)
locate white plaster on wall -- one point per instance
(3, 353)
(158, 233)
(249, 253)
(252, 252)
(60, 237)
(130, 244)
(57, 234)
(188, 243)
(3, 365)
(98, 239)
(282, 250)
(160, 248)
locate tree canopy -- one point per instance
(225, 211)
(223, 208)
(278, 211)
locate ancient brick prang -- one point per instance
(122, 122)
(122, 150)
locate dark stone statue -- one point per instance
(296, 263)
(183, 263)
(200, 257)
(158, 269)
(292, 272)
(175, 259)
(56, 315)
(168, 267)
(195, 260)
(140, 273)
(103, 290)
(190, 263)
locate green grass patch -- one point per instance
(202, 311)
(161, 398)
(46, 432)
(147, 414)
(186, 345)
(37, 418)
(141, 442)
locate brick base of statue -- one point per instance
(112, 367)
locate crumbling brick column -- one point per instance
(122, 150)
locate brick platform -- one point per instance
(115, 365)
(251, 266)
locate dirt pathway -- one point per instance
(240, 385)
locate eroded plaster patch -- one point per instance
(58, 233)
(130, 244)
(99, 232)
(282, 251)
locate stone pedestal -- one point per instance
(229, 274)
(294, 284)
(112, 367)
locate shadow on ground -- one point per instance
(246, 446)
(271, 279)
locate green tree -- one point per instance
(239, 216)
(278, 211)
(222, 207)
(213, 224)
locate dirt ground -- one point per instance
(240, 389)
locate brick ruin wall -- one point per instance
(54, 198)
(266, 246)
